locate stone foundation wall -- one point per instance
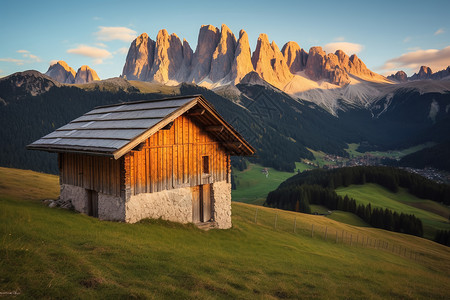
(111, 208)
(172, 205)
(221, 195)
(75, 194)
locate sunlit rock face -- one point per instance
(61, 72)
(269, 62)
(424, 73)
(295, 57)
(242, 63)
(168, 57)
(139, 60)
(208, 39)
(220, 59)
(400, 76)
(85, 75)
(223, 55)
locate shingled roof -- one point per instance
(114, 130)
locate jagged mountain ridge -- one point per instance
(221, 59)
(63, 73)
(424, 73)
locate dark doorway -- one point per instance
(92, 203)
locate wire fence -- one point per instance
(295, 225)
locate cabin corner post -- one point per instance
(221, 193)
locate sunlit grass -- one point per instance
(55, 253)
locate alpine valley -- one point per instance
(284, 102)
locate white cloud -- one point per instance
(31, 57)
(439, 31)
(433, 58)
(122, 50)
(18, 62)
(339, 39)
(101, 45)
(116, 33)
(96, 53)
(349, 48)
(407, 39)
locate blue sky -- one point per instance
(386, 35)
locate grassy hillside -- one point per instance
(402, 201)
(252, 186)
(54, 253)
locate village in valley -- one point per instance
(330, 161)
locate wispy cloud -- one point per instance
(407, 39)
(97, 54)
(122, 50)
(439, 31)
(339, 39)
(115, 33)
(349, 48)
(31, 57)
(434, 58)
(101, 45)
(18, 62)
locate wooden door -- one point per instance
(93, 203)
(196, 206)
(206, 202)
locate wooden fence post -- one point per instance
(256, 214)
(312, 230)
(326, 232)
(295, 224)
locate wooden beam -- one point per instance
(218, 128)
(197, 112)
(235, 144)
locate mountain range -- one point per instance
(284, 102)
(63, 73)
(221, 61)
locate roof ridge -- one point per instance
(151, 100)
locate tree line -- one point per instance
(388, 177)
(298, 198)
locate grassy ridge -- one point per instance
(54, 253)
(401, 202)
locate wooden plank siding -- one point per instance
(98, 173)
(172, 158)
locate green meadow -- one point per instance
(434, 216)
(56, 253)
(253, 185)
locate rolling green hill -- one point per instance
(253, 185)
(401, 202)
(55, 253)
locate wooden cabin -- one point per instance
(167, 158)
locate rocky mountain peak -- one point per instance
(61, 72)
(295, 57)
(139, 58)
(223, 55)
(425, 72)
(242, 63)
(85, 75)
(208, 39)
(400, 76)
(269, 62)
(168, 57)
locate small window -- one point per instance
(205, 164)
